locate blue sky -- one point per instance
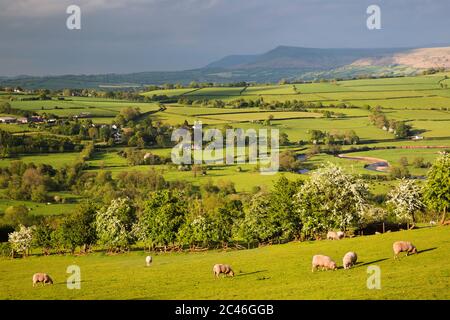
(121, 36)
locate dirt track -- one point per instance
(374, 164)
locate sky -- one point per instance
(124, 36)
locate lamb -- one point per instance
(324, 262)
(222, 268)
(42, 277)
(148, 260)
(349, 259)
(401, 246)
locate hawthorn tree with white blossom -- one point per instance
(331, 199)
(113, 225)
(21, 240)
(405, 199)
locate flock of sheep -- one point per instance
(350, 258)
(318, 261)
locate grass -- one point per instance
(43, 209)
(239, 117)
(285, 275)
(57, 160)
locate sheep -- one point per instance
(340, 234)
(323, 261)
(42, 277)
(401, 246)
(332, 235)
(349, 259)
(222, 268)
(148, 260)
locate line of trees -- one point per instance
(400, 129)
(11, 145)
(170, 217)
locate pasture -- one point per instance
(270, 272)
(419, 100)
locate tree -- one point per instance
(43, 237)
(113, 225)
(21, 240)
(17, 215)
(79, 227)
(403, 161)
(197, 228)
(316, 136)
(402, 130)
(399, 172)
(419, 162)
(405, 200)
(284, 139)
(161, 217)
(257, 224)
(282, 209)
(350, 137)
(330, 199)
(130, 113)
(288, 161)
(224, 219)
(437, 188)
(93, 133)
(39, 194)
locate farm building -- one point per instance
(7, 120)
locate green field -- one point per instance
(44, 209)
(271, 272)
(57, 160)
(419, 100)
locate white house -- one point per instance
(7, 120)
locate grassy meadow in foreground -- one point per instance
(271, 272)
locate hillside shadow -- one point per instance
(250, 273)
(361, 264)
(426, 250)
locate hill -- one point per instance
(299, 57)
(271, 272)
(294, 63)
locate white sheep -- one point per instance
(148, 260)
(222, 268)
(41, 277)
(332, 235)
(349, 259)
(340, 234)
(401, 246)
(324, 262)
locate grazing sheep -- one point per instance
(148, 260)
(340, 234)
(42, 277)
(324, 262)
(332, 235)
(349, 259)
(222, 268)
(401, 246)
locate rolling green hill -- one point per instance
(270, 272)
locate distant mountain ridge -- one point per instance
(294, 63)
(300, 57)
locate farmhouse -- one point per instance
(7, 120)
